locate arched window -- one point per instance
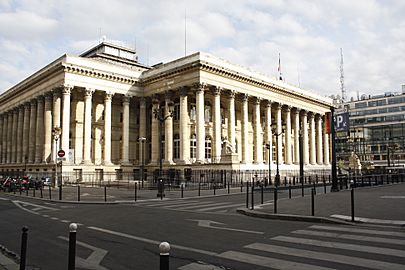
(193, 147)
(176, 146)
(208, 149)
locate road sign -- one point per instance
(342, 121)
(61, 153)
(61, 158)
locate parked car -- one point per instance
(46, 181)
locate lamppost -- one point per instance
(56, 132)
(142, 143)
(161, 117)
(275, 133)
(268, 146)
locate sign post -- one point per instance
(61, 157)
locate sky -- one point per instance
(308, 35)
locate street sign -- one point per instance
(61, 153)
(61, 158)
(342, 121)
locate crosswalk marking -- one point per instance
(186, 204)
(323, 256)
(361, 248)
(219, 207)
(269, 262)
(357, 230)
(199, 266)
(200, 205)
(352, 237)
(164, 203)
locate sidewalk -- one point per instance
(382, 205)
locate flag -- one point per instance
(279, 67)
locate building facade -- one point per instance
(376, 130)
(106, 110)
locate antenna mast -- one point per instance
(342, 77)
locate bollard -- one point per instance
(314, 188)
(20, 191)
(241, 186)
(229, 188)
(60, 192)
(26, 190)
(78, 193)
(253, 199)
(294, 180)
(324, 186)
(50, 193)
(247, 195)
(72, 246)
(215, 188)
(312, 202)
(136, 191)
(199, 189)
(182, 190)
(262, 190)
(285, 181)
(275, 200)
(23, 254)
(289, 191)
(40, 190)
(302, 188)
(352, 203)
(105, 193)
(164, 249)
(33, 192)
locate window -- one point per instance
(360, 105)
(222, 116)
(208, 149)
(176, 146)
(121, 117)
(176, 112)
(193, 147)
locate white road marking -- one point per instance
(183, 205)
(200, 205)
(392, 197)
(269, 262)
(219, 207)
(167, 203)
(371, 220)
(4, 199)
(338, 245)
(65, 221)
(329, 257)
(352, 237)
(199, 266)
(208, 224)
(95, 258)
(357, 230)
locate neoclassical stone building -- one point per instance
(214, 115)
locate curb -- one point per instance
(316, 219)
(8, 259)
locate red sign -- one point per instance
(61, 153)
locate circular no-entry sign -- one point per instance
(61, 153)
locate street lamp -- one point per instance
(142, 143)
(161, 116)
(268, 146)
(56, 132)
(274, 131)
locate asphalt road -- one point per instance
(204, 233)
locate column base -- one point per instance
(125, 163)
(168, 162)
(183, 162)
(87, 162)
(107, 163)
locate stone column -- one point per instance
(312, 151)
(279, 132)
(66, 91)
(296, 126)
(87, 125)
(288, 159)
(217, 125)
(184, 129)
(39, 140)
(200, 124)
(269, 134)
(20, 127)
(325, 144)
(107, 127)
(26, 133)
(319, 156)
(56, 120)
(258, 158)
(245, 133)
(305, 147)
(168, 131)
(155, 134)
(3, 138)
(125, 130)
(9, 135)
(231, 121)
(14, 136)
(48, 129)
(142, 128)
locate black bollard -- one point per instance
(60, 192)
(40, 190)
(23, 255)
(241, 186)
(33, 192)
(253, 199)
(72, 246)
(314, 188)
(199, 189)
(164, 249)
(302, 188)
(215, 188)
(105, 193)
(229, 188)
(324, 186)
(352, 203)
(313, 202)
(247, 195)
(275, 200)
(182, 190)
(78, 193)
(50, 193)
(27, 189)
(289, 191)
(136, 192)
(293, 180)
(262, 190)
